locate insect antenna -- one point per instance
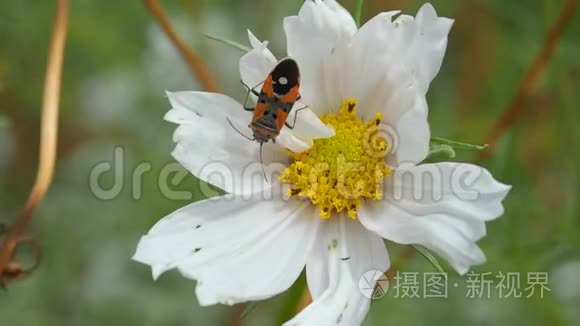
(239, 132)
(262, 162)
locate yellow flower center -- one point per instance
(337, 173)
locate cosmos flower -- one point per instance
(343, 187)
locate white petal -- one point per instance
(388, 67)
(343, 254)
(254, 42)
(293, 143)
(256, 64)
(212, 106)
(237, 250)
(371, 73)
(363, 68)
(383, 47)
(308, 125)
(426, 41)
(212, 150)
(440, 206)
(311, 36)
(366, 251)
(411, 135)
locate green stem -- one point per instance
(358, 11)
(459, 145)
(425, 253)
(250, 307)
(231, 43)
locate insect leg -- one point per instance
(239, 132)
(253, 90)
(246, 100)
(295, 116)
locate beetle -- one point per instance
(279, 93)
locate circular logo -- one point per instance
(373, 284)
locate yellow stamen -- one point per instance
(337, 173)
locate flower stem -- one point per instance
(48, 135)
(195, 64)
(458, 145)
(358, 11)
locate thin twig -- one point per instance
(197, 67)
(48, 134)
(535, 70)
(15, 270)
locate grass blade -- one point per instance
(251, 306)
(358, 11)
(425, 253)
(231, 43)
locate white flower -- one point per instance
(245, 248)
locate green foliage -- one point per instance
(292, 300)
(117, 67)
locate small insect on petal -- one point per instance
(279, 93)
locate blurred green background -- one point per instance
(118, 64)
